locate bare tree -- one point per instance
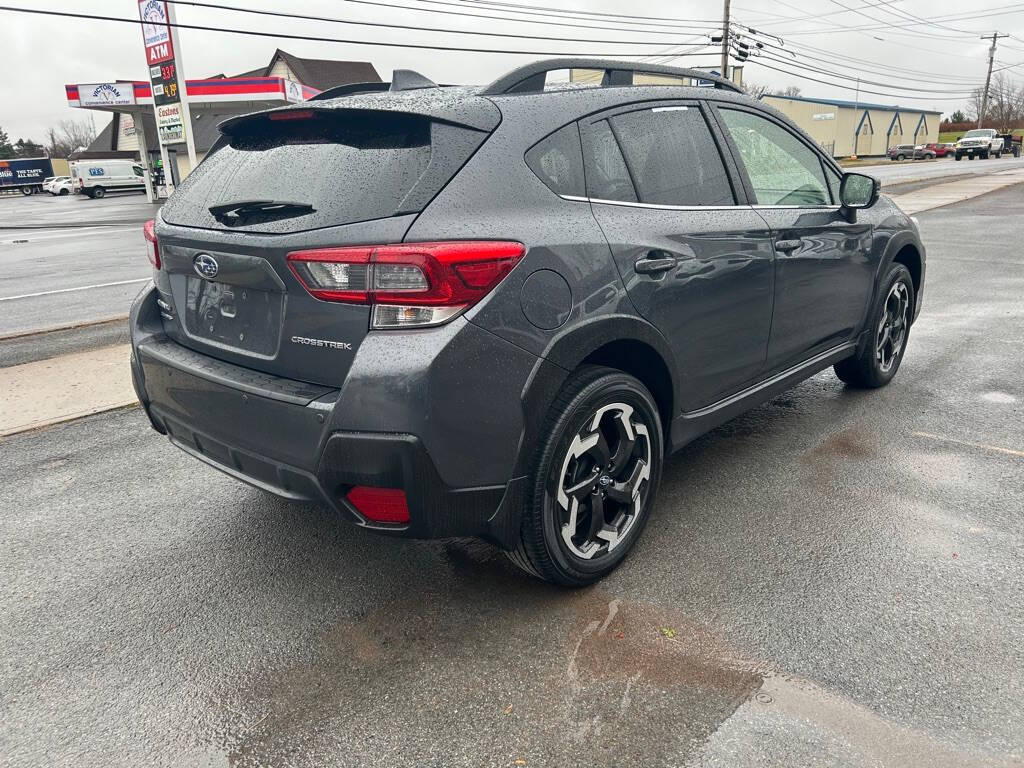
(755, 90)
(69, 136)
(1005, 103)
(1005, 108)
(790, 91)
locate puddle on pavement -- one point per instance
(483, 666)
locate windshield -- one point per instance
(982, 132)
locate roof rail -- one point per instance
(531, 78)
(349, 89)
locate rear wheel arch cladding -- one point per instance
(623, 343)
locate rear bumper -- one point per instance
(293, 439)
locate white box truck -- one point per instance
(96, 178)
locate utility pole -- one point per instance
(725, 41)
(988, 77)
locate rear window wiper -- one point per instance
(242, 209)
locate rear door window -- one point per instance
(672, 157)
(349, 165)
(782, 169)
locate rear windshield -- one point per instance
(348, 165)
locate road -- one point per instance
(832, 579)
(890, 173)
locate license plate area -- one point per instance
(238, 317)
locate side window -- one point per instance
(607, 175)
(558, 161)
(782, 169)
(672, 157)
(137, 170)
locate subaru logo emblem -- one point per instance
(205, 266)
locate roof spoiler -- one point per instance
(532, 78)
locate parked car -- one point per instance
(901, 152)
(980, 142)
(55, 181)
(931, 150)
(506, 305)
(62, 186)
(95, 178)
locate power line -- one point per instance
(673, 25)
(522, 7)
(349, 41)
(787, 19)
(844, 76)
(387, 25)
(857, 63)
(848, 87)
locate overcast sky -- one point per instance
(40, 54)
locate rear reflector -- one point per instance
(152, 247)
(380, 505)
(410, 285)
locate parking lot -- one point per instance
(832, 579)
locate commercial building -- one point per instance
(846, 128)
(132, 132)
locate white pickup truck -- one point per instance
(981, 142)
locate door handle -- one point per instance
(654, 262)
(788, 245)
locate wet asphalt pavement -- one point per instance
(69, 260)
(833, 579)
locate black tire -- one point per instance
(63, 192)
(957, 156)
(543, 549)
(983, 155)
(901, 158)
(26, 191)
(866, 369)
(98, 193)
(999, 155)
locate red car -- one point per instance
(939, 150)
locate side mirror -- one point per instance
(858, 191)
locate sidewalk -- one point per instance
(938, 195)
(62, 388)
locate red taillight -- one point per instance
(380, 505)
(411, 284)
(152, 249)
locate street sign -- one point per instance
(156, 34)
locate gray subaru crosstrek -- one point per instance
(449, 311)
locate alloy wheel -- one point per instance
(604, 480)
(892, 327)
